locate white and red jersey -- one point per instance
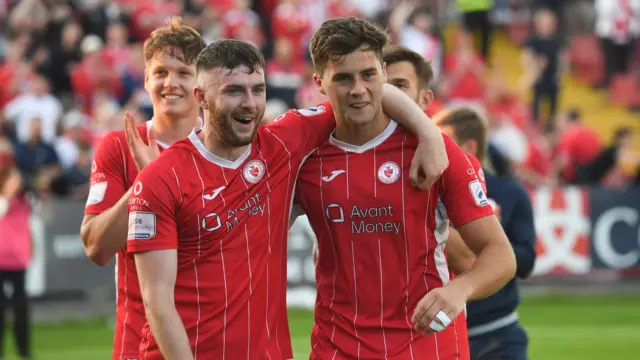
(112, 174)
(229, 222)
(381, 245)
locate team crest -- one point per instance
(94, 166)
(253, 171)
(389, 172)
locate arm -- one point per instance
(522, 234)
(431, 159)
(408, 113)
(495, 261)
(470, 211)
(104, 227)
(104, 234)
(153, 239)
(157, 275)
(460, 258)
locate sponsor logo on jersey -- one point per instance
(215, 193)
(142, 225)
(478, 193)
(389, 172)
(333, 175)
(312, 111)
(137, 188)
(253, 171)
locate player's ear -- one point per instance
(471, 146)
(200, 98)
(384, 72)
(146, 79)
(318, 81)
(425, 98)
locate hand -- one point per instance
(429, 162)
(141, 153)
(449, 299)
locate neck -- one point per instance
(213, 140)
(355, 134)
(170, 130)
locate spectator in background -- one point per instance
(64, 55)
(477, 22)
(417, 34)
(610, 162)
(462, 80)
(542, 63)
(242, 23)
(291, 22)
(73, 133)
(14, 72)
(284, 73)
(37, 102)
(618, 27)
(15, 252)
(577, 146)
(95, 74)
(37, 160)
(538, 170)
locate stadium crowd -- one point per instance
(71, 68)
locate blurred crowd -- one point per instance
(70, 69)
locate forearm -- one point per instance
(405, 111)
(460, 257)
(105, 234)
(488, 275)
(169, 331)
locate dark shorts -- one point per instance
(508, 343)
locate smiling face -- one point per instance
(170, 83)
(234, 100)
(354, 84)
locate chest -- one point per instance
(370, 191)
(239, 208)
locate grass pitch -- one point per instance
(559, 328)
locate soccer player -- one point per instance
(382, 273)
(494, 329)
(208, 220)
(170, 74)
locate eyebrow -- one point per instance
(371, 69)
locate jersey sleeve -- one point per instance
(463, 194)
(108, 176)
(153, 207)
(303, 130)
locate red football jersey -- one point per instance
(112, 173)
(381, 245)
(229, 222)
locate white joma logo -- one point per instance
(334, 173)
(215, 193)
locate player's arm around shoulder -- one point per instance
(153, 238)
(104, 226)
(430, 159)
(302, 130)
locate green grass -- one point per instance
(560, 328)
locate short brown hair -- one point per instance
(230, 54)
(338, 37)
(180, 41)
(396, 54)
(467, 124)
